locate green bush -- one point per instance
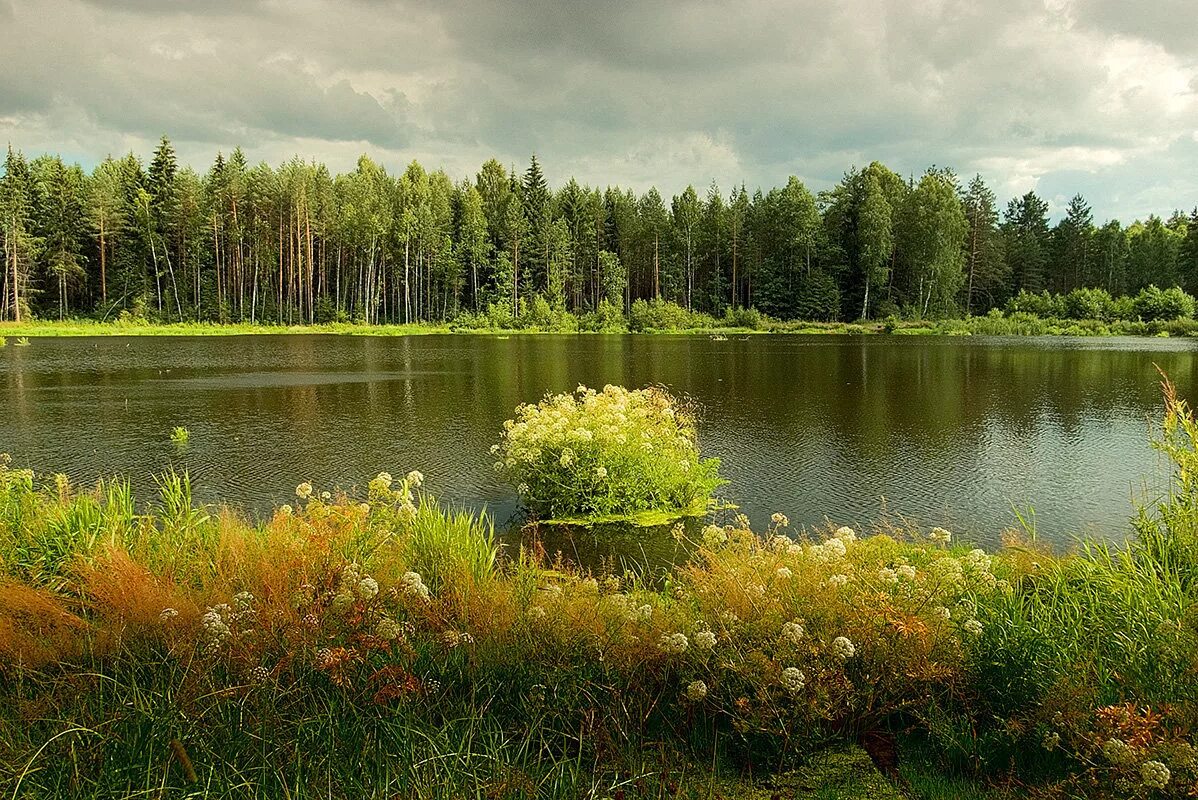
(742, 317)
(604, 455)
(538, 314)
(608, 317)
(1043, 305)
(1153, 303)
(1089, 304)
(662, 315)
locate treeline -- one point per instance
(297, 244)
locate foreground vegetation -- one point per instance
(383, 645)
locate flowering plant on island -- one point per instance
(616, 454)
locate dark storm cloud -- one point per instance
(1032, 93)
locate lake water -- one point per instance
(950, 431)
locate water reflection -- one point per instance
(950, 431)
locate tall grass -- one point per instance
(384, 646)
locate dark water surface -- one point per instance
(951, 431)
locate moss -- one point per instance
(844, 773)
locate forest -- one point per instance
(296, 244)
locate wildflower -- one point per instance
(415, 478)
(1118, 751)
(286, 510)
(1050, 740)
(243, 600)
(973, 627)
(780, 520)
(906, 572)
(977, 562)
(943, 613)
(367, 588)
(793, 679)
(522, 488)
(167, 614)
(303, 491)
(705, 640)
(846, 534)
(831, 550)
(838, 581)
(387, 628)
(784, 573)
(674, 642)
(453, 639)
(714, 536)
(940, 535)
(412, 583)
(1154, 774)
(642, 613)
(216, 629)
(793, 631)
(259, 675)
(779, 543)
(326, 496)
(842, 648)
(742, 522)
(601, 472)
(567, 458)
(382, 482)
(887, 575)
(311, 620)
(341, 602)
(696, 691)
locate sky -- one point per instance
(1098, 97)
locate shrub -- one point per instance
(1089, 304)
(1153, 303)
(610, 454)
(538, 314)
(608, 317)
(1043, 305)
(743, 317)
(662, 315)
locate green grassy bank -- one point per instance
(385, 645)
(994, 325)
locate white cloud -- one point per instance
(1032, 93)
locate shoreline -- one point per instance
(975, 326)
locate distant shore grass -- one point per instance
(990, 325)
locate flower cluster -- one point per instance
(674, 643)
(353, 586)
(617, 452)
(413, 584)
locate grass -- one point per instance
(384, 646)
(1016, 324)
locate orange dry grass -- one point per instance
(35, 628)
(270, 562)
(125, 592)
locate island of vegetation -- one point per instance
(256, 248)
(382, 645)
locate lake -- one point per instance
(955, 431)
